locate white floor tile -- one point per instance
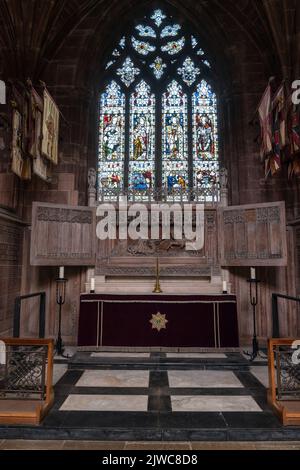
(122, 355)
(197, 355)
(114, 378)
(214, 403)
(203, 379)
(105, 403)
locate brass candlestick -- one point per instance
(157, 288)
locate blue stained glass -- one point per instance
(194, 42)
(170, 31)
(142, 47)
(173, 47)
(146, 31)
(175, 155)
(205, 135)
(111, 138)
(142, 138)
(142, 115)
(109, 64)
(158, 17)
(158, 67)
(128, 72)
(188, 71)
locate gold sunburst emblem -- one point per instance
(158, 321)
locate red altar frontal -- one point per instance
(158, 320)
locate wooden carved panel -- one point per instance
(253, 235)
(132, 258)
(62, 235)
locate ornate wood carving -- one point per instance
(62, 235)
(253, 235)
(137, 258)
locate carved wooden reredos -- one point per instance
(252, 235)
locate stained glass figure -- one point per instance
(111, 138)
(205, 134)
(188, 71)
(175, 155)
(128, 72)
(158, 17)
(142, 47)
(168, 31)
(145, 31)
(142, 138)
(173, 47)
(158, 67)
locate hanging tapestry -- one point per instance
(41, 167)
(279, 130)
(50, 129)
(20, 166)
(264, 111)
(294, 138)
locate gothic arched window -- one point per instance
(158, 129)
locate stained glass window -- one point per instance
(158, 67)
(173, 47)
(142, 47)
(111, 138)
(142, 140)
(170, 31)
(158, 128)
(175, 152)
(145, 31)
(188, 71)
(128, 72)
(205, 136)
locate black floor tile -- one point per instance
(71, 377)
(249, 381)
(251, 420)
(108, 419)
(187, 420)
(158, 379)
(159, 403)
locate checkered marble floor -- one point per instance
(196, 396)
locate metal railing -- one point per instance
(17, 313)
(27, 372)
(275, 314)
(287, 373)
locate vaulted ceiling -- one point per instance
(34, 33)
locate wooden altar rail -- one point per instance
(29, 411)
(287, 410)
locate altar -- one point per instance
(158, 320)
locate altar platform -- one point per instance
(158, 320)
